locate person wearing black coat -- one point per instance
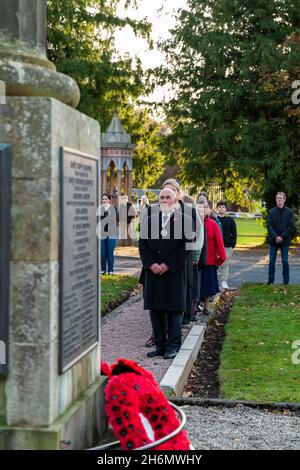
(163, 251)
(193, 256)
(281, 229)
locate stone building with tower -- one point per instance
(116, 160)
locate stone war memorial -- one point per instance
(51, 392)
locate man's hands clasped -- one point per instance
(159, 268)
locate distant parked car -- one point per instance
(234, 214)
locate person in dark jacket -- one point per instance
(193, 256)
(281, 229)
(229, 237)
(163, 254)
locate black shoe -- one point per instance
(185, 325)
(269, 283)
(150, 342)
(170, 355)
(194, 318)
(286, 283)
(155, 353)
(206, 312)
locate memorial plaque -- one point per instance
(79, 257)
(5, 182)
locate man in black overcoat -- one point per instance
(164, 247)
(281, 229)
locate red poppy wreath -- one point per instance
(137, 409)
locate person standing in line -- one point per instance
(229, 233)
(215, 256)
(194, 255)
(281, 229)
(163, 255)
(202, 199)
(190, 314)
(127, 215)
(202, 195)
(109, 220)
(143, 207)
(144, 203)
(214, 216)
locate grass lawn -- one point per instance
(252, 227)
(256, 359)
(115, 289)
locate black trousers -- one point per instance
(189, 302)
(167, 329)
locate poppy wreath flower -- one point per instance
(138, 411)
(105, 369)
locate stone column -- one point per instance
(24, 66)
(126, 180)
(130, 185)
(119, 181)
(112, 178)
(103, 181)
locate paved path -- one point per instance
(255, 269)
(243, 268)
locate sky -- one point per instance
(160, 14)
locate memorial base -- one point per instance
(41, 407)
(80, 427)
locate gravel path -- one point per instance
(241, 429)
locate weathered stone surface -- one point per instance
(35, 395)
(29, 385)
(81, 426)
(2, 402)
(33, 237)
(24, 20)
(23, 63)
(37, 127)
(26, 124)
(29, 439)
(74, 130)
(24, 79)
(76, 380)
(34, 302)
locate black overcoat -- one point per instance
(281, 222)
(168, 291)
